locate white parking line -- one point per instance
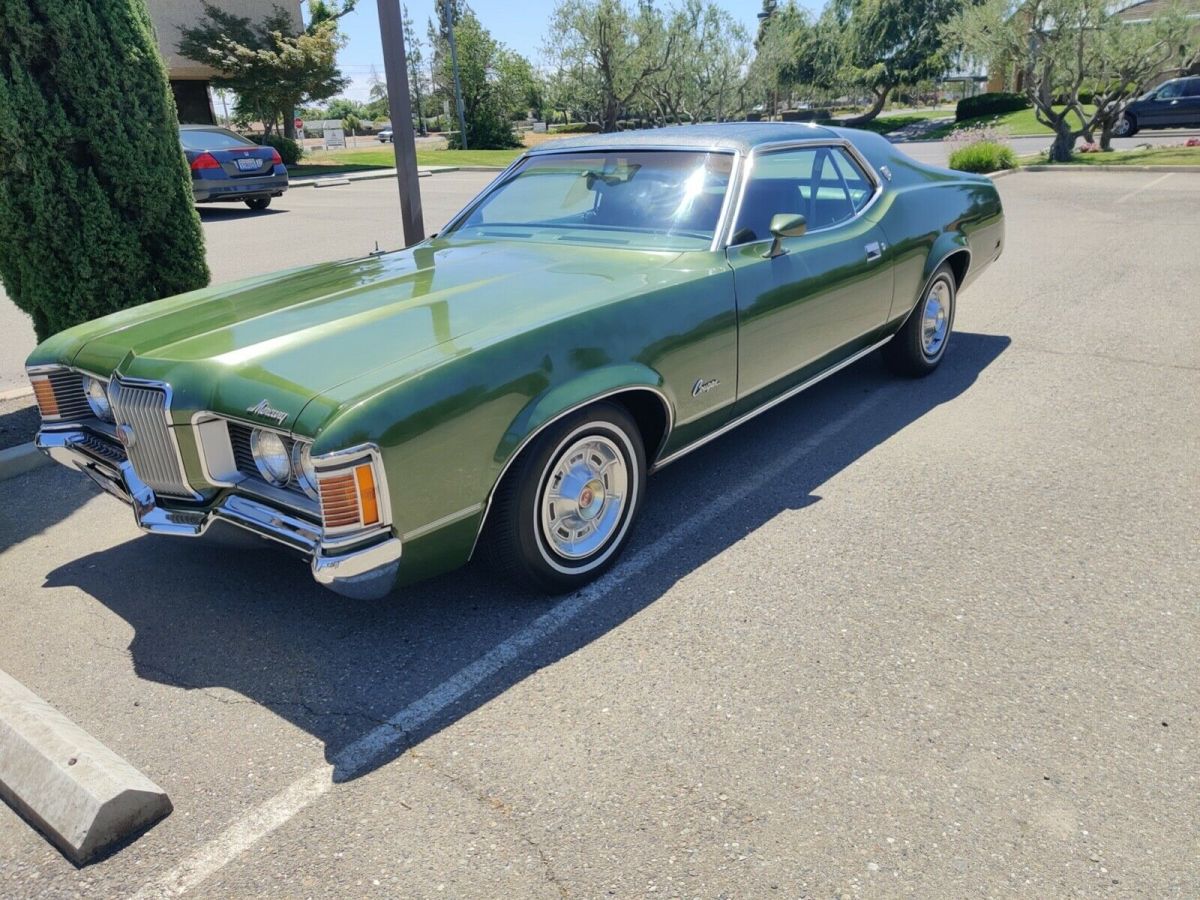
(354, 759)
(1144, 187)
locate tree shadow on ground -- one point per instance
(231, 212)
(252, 620)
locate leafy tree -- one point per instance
(785, 54)
(702, 77)
(96, 206)
(607, 53)
(487, 98)
(271, 67)
(1062, 48)
(413, 50)
(889, 43)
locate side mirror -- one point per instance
(785, 225)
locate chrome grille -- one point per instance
(68, 392)
(152, 451)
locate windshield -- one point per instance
(216, 139)
(647, 199)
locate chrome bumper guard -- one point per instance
(366, 570)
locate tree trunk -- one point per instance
(875, 110)
(1064, 142)
(1106, 136)
(611, 112)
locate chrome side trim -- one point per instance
(787, 395)
(442, 522)
(578, 406)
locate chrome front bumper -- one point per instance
(364, 567)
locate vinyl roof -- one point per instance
(743, 136)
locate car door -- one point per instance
(1189, 104)
(831, 288)
(1163, 108)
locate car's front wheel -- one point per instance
(259, 203)
(921, 342)
(564, 511)
(1126, 126)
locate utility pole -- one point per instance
(462, 117)
(404, 144)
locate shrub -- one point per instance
(289, 151)
(576, 128)
(96, 209)
(995, 104)
(983, 157)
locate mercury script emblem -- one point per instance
(703, 387)
(267, 411)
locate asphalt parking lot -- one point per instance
(931, 638)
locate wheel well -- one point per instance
(959, 263)
(649, 411)
(647, 408)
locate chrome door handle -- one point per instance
(875, 251)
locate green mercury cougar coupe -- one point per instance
(608, 304)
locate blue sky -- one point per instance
(521, 25)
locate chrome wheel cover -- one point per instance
(935, 319)
(584, 496)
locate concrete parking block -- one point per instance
(20, 459)
(76, 791)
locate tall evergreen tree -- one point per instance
(96, 206)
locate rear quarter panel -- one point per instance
(928, 213)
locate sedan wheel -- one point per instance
(1125, 127)
(921, 342)
(259, 203)
(563, 512)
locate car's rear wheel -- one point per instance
(1126, 126)
(259, 203)
(921, 342)
(564, 511)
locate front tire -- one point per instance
(1126, 126)
(259, 203)
(921, 342)
(564, 511)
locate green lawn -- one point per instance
(383, 156)
(302, 170)
(888, 124)
(1158, 156)
(1017, 124)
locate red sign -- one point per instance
(299, 124)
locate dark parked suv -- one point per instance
(1173, 104)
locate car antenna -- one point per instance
(376, 251)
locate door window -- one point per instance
(1171, 90)
(819, 183)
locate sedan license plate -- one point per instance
(248, 165)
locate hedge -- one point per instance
(996, 104)
(96, 210)
(983, 157)
(289, 151)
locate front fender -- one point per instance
(563, 399)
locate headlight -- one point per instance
(271, 456)
(303, 470)
(97, 397)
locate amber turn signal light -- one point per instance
(46, 401)
(364, 476)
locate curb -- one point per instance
(1003, 173)
(1068, 167)
(347, 177)
(16, 393)
(20, 459)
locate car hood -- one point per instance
(289, 337)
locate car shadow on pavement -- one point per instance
(251, 620)
(216, 213)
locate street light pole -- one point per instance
(458, 101)
(404, 145)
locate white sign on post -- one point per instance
(334, 137)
